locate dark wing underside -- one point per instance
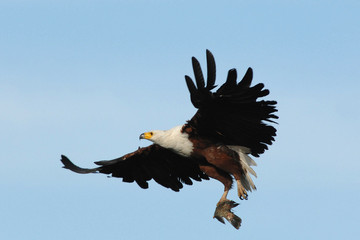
(153, 162)
(232, 115)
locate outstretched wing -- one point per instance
(153, 162)
(232, 115)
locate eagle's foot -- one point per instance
(242, 193)
(223, 210)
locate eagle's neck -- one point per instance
(174, 140)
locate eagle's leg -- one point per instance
(224, 206)
(241, 190)
(226, 160)
(224, 196)
(220, 175)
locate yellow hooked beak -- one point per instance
(146, 135)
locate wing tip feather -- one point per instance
(71, 166)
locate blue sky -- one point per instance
(85, 78)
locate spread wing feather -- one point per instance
(232, 115)
(153, 162)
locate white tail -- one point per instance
(246, 163)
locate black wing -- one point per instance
(232, 115)
(153, 162)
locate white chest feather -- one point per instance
(174, 140)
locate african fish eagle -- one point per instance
(230, 125)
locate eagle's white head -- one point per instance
(172, 139)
